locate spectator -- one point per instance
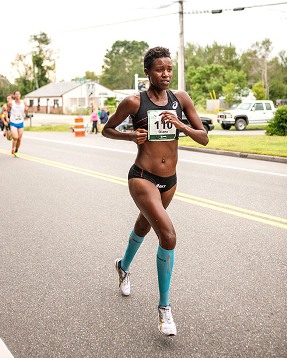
(104, 116)
(94, 120)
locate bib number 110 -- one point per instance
(164, 125)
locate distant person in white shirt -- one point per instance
(18, 111)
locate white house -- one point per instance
(68, 97)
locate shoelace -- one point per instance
(166, 314)
(125, 277)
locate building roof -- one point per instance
(53, 89)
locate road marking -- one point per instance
(134, 152)
(233, 168)
(233, 210)
(82, 145)
(191, 199)
(4, 351)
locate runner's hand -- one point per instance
(172, 118)
(139, 136)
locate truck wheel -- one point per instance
(225, 126)
(240, 124)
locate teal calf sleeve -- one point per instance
(134, 244)
(165, 261)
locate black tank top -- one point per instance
(140, 119)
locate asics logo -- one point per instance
(174, 105)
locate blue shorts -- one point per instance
(162, 183)
(20, 125)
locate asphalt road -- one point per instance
(66, 216)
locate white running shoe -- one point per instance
(124, 279)
(166, 324)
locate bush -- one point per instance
(278, 125)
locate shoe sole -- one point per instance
(117, 269)
(167, 335)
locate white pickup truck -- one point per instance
(247, 113)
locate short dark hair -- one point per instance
(153, 53)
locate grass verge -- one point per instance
(51, 128)
(256, 144)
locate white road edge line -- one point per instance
(134, 152)
(4, 351)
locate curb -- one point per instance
(236, 154)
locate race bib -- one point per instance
(158, 130)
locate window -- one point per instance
(31, 103)
(244, 106)
(268, 106)
(56, 103)
(259, 107)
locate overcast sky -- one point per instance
(81, 32)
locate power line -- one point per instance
(241, 8)
(119, 22)
(193, 12)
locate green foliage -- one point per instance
(201, 81)
(42, 61)
(174, 81)
(214, 67)
(278, 125)
(5, 88)
(229, 92)
(259, 91)
(24, 85)
(121, 63)
(278, 77)
(111, 104)
(255, 64)
(89, 75)
(198, 56)
(35, 69)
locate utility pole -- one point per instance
(181, 79)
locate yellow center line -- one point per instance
(244, 214)
(231, 207)
(191, 199)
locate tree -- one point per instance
(24, 81)
(229, 92)
(259, 90)
(199, 56)
(121, 63)
(5, 88)
(36, 68)
(278, 76)
(42, 60)
(256, 61)
(201, 81)
(278, 125)
(90, 75)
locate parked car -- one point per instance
(207, 123)
(126, 125)
(247, 113)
